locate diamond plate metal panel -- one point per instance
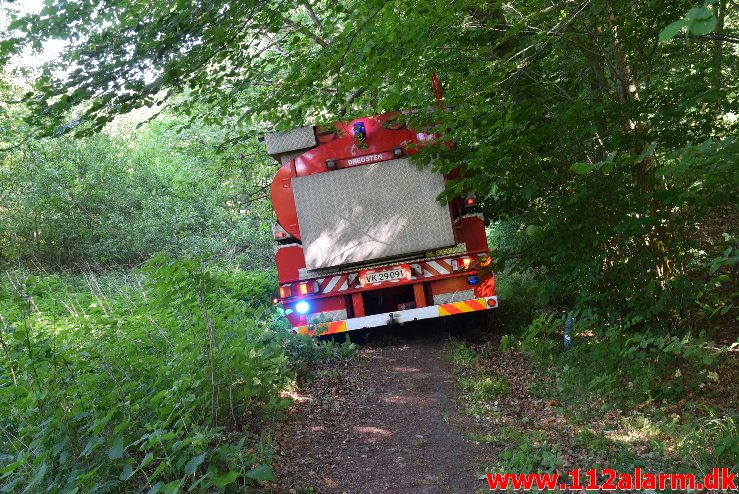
(370, 212)
(291, 140)
(445, 298)
(333, 315)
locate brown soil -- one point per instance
(390, 421)
(387, 422)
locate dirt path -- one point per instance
(387, 422)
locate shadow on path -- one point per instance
(387, 422)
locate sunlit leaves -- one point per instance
(261, 473)
(142, 423)
(672, 29)
(698, 20)
(701, 20)
(193, 464)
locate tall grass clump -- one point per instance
(163, 380)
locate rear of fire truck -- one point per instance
(361, 239)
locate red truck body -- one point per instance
(361, 239)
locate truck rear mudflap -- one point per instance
(398, 317)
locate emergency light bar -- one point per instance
(360, 132)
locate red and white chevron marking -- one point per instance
(439, 267)
(332, 284)
(340, 282)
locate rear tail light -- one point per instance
(462, 264)
(279, 233)
(470, 200)
(308, 288)
(305, 288)
(485, 261)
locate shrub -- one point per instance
(159, 381)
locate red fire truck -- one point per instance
(361, 239)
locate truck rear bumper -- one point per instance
(398, 317)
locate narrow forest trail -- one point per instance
(387, 422)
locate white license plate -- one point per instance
(371, 278)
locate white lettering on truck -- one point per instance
(364, 159)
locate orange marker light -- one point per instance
(285, 292)
(462, 263)
(485, 261)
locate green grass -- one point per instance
(479, 388)
(523, 451)
(163, 380)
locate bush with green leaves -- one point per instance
(120, 197)
(162, 380)
(628, 368)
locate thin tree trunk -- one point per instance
(717, 50)
(627, 92)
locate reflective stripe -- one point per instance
(332, 283)
(402, 316)
(464, 306)
(340, 282)
(336, 327)
(436, 268)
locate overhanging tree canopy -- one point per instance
(608, 146)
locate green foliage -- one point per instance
(603, 146)
(308, 354)
(160, 381)
(711, 440)
(480, 388)
(627, 368)
(543, 337)
(484, 388)
(698, 20)
(525, 452)
(119, 199)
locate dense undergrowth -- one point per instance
(669, 340)
(662, 355)
(538, 421)
(673, 390)
(166, 379)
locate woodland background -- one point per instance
(138, 347)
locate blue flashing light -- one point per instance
(360, 132)
(473, 279)
(302, 307)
